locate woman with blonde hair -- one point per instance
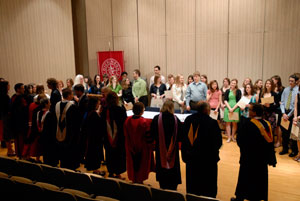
(115, 86)
(178, 92)
(166, 130)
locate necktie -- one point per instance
(288, 103)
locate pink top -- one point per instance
(214, 99)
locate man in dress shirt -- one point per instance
(139, 90)
(157, 72)
(287, 108)
(195, 92)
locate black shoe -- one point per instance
(293, 154)
(283, 152)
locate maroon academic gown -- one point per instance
(139, 154)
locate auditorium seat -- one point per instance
(28, 191)
(99, 198)
(54, 195)
(8, 189)
(9, 166)
(47, 186)
(21, 179)
(134, 192)
(30, 170)
(105, 198)
(76, 192)
(191, 197)
(53, 175)
(4, 175)
(108, 187)
(162, 195)
(78, 181)
(152, 109)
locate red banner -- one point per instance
(111, 63)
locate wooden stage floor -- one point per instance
(284, 180)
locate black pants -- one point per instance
(193, 105)
(144, 100)
(286, 138)
(167, 185)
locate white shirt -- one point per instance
(176, 91)
(163, 80)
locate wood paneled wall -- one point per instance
(220, 38)
(36, 40)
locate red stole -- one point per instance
(167, 157)
(263, 131)
(112, 130)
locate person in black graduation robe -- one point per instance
(257, 152)
(94, 126)
(82, 103)
(19, 118)
(167, 174)
(114, 117)
(68, 143)
(55, 96)
(44, 124)
(201, 142)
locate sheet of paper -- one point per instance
(285, 124)
(221, 113)
(214, 115)
(233, 116)
(269, 100)
(151, 115)
(295, 130)
(168, 94)
(129, 106)
(243, 102)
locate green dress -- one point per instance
(231, 102)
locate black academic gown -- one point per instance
(48, 140)
(256, 155)
(19, 121)
(168, 178)
(202, 157)
(82, 109)
(115, 156)
(69, 152)
(55, 97)
(94, 149)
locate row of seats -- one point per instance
(85, 185)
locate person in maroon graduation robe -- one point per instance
(19, 118)
(166, 131)
(139, 154)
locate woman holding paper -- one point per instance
(296, 122)
(178, 91)
(214, 97)
(157, 91)
(127, 96)
(268, 101)
(231, 113)
(278, 90)
(251, 98)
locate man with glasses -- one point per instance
(287, 109)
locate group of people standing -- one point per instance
(74, 124)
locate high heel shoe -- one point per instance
(228, 140)
(233, 139)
